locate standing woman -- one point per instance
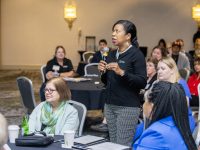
(124, 74)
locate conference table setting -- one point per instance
(86, 142)
(87, 90)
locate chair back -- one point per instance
(82, 110)
(43, 72)
(91, 70)
(185, 74)
(90, 59)
(86, 55)
(27, 94)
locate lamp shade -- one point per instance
(196, 12)
(70, 12)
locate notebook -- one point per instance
(108, 146)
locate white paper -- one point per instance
(108, 146)
(6, 147)
(87, 139)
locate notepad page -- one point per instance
(87, 139)
(108, 145)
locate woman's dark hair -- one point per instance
(162, 50)
(154, 61)
(59, 46)
(197, 62)
(162, 41)
(169, 99)
(129, 27)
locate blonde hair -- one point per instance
(3, 131)
(172, 65)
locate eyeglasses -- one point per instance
(50, 91)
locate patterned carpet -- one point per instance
(10, 102)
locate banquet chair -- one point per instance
(185, 74)
(90, 59)
(27, 94)
(91, 70)
(43, 71)
(82, 110)
(87, 54)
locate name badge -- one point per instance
(121, 62)
(65, 66)
(56, 68)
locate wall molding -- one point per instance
(23, 67)
(20, 67)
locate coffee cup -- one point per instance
(69, 138)
(13, 132)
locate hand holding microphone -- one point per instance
(102, 66)
(115, 67)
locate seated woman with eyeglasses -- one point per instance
(55, 115)
(166, 123)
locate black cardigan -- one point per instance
(124, 90)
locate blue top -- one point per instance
(188, 94)
(140, 127)
(185, 87)
(161, 135)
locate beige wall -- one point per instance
(0, 35)
(31, 29)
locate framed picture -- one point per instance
(90, 43)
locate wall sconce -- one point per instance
(70, 12)
(196, 13)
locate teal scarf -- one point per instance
(50, 118)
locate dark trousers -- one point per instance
(194, 101)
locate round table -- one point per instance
(88, 93)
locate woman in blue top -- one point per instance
(167, 71)
(166, 125)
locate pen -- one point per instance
(61, 140)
